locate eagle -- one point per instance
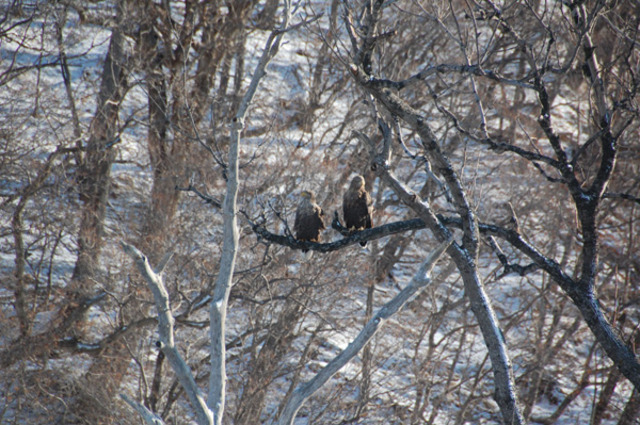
(309, 219)
(357, 207)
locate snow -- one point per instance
(398, 349)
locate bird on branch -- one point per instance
(309, 222)
(357, 207)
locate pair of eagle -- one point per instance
(356, 210)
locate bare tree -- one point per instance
(509, 129)
(610, 122)
(488, 38)
(213, 411)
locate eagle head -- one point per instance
(308, 194)
(357, 183)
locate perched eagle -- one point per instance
(309, 219)
(357, 207)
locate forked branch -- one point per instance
(166, 332)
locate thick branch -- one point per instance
(364, 235)
(420, 281)
(149, 417)
(509, 268)
(584, 298)
(626, 196)
(165, 331)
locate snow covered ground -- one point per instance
(430, 357)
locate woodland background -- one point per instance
(510, 126)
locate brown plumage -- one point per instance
(357, 207)
(309, 219)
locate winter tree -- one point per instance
(152, 158)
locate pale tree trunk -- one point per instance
(167, 341)
(213, 412)
(169, 155)
(218, 310)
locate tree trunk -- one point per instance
(94, 174)
(464, 255)
(218, 310)
(92, 405)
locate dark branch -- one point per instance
(511, 236)
(626, 196)
(399, 227)
(515, 239)
(208, 199)
(364, 235)
(337, 225)
(509, 268)
(498, 145)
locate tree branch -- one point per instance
(418, 283)
(509, 268)
(583, 298)
(207, 198)
(149, 417)
(364, 235)
(166, 334)
(610, 195)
